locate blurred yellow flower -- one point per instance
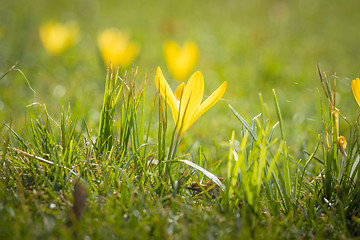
(57, 37)
(181, 61)
(185, 102)
(116, 48)
(355, 85)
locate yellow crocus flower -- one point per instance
(116, 48)
(181, 61)
(57, 37)
(185, 102)
(355, 85)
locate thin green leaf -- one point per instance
(242, 120)
(213, 178)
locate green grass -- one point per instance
(90, 154)
(62, 181)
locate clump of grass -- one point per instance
(340, 160)
(104, 141)
(251, 164)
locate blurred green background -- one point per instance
(255, 45)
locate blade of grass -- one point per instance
(242, 120)
(210, 175)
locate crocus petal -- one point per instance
(179, 90)
(165, 91)
(192, 97)
(191, 54)
(355, 85)
(208, 103)
(171, 51)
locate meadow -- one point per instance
(259, 139)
